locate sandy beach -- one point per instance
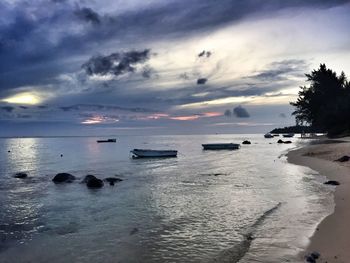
(332, 236)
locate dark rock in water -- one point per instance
(345, 158)
(246, 142)
(280, 141)
(112, 180)
(93, 182)
(310, 259)
(134, 231)
(9, 151)
(287, 142)
(332, 183)
(61, 155)
(63, 178)
(87, 178)
(20, 175)
(315, 255)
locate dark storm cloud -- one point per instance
(201, 81)
(7, 108)
(240, 112)
(89, 15)
(184, 76)
(281, 70)
(24, 116)
(35, 51)
(204, 54)
(98, 107)
(228, 113)
(43, 107)
(116, 63)
(147, 72)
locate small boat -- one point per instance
(147, 153)
(108, 140)
(268, 135)
(220, 146)
(288, 135)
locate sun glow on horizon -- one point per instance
(23, 98)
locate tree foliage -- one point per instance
(325, 104)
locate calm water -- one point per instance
(198, 207)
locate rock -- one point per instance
(310, 259)
(345, 158)
(287, 142)
(280, 141)
(20, 175)
(134, 231)
(315, 255)
(63, 178)
(246, 142)
(87, 178)
(93, 182)
(112, 180)
(332, 183)
(61, 155)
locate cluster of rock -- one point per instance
(246, 142)
(312, 257)
(91, 181)
(342, 159)
(286, 142)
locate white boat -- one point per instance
(220, 146)
(268, 135)
(147, 153)
(288, 135)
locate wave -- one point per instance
(238, 251)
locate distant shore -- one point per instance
(332, 236)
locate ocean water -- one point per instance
(247, 205)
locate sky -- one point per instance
(80, 67)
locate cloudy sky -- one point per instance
(80, 67)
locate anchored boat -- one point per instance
(268, 135)
(147, 153)
(220, 146)
(109, 140)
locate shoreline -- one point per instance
(332, 236)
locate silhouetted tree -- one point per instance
(325, 104)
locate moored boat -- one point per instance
(220, 146)
(108, 140)
(148, 153)
(268, 135)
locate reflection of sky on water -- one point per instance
(190, 208)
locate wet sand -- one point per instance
(332, 236)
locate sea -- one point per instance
(245, 205)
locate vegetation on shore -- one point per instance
(325, 104)
(297, 129)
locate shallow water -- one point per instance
(247, 205)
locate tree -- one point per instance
(325, 104)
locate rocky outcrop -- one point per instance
(63, 178)
(246, 142)
(332, 183)
(112, 180)
(20, 175)
(342, 159)
(93, 182)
